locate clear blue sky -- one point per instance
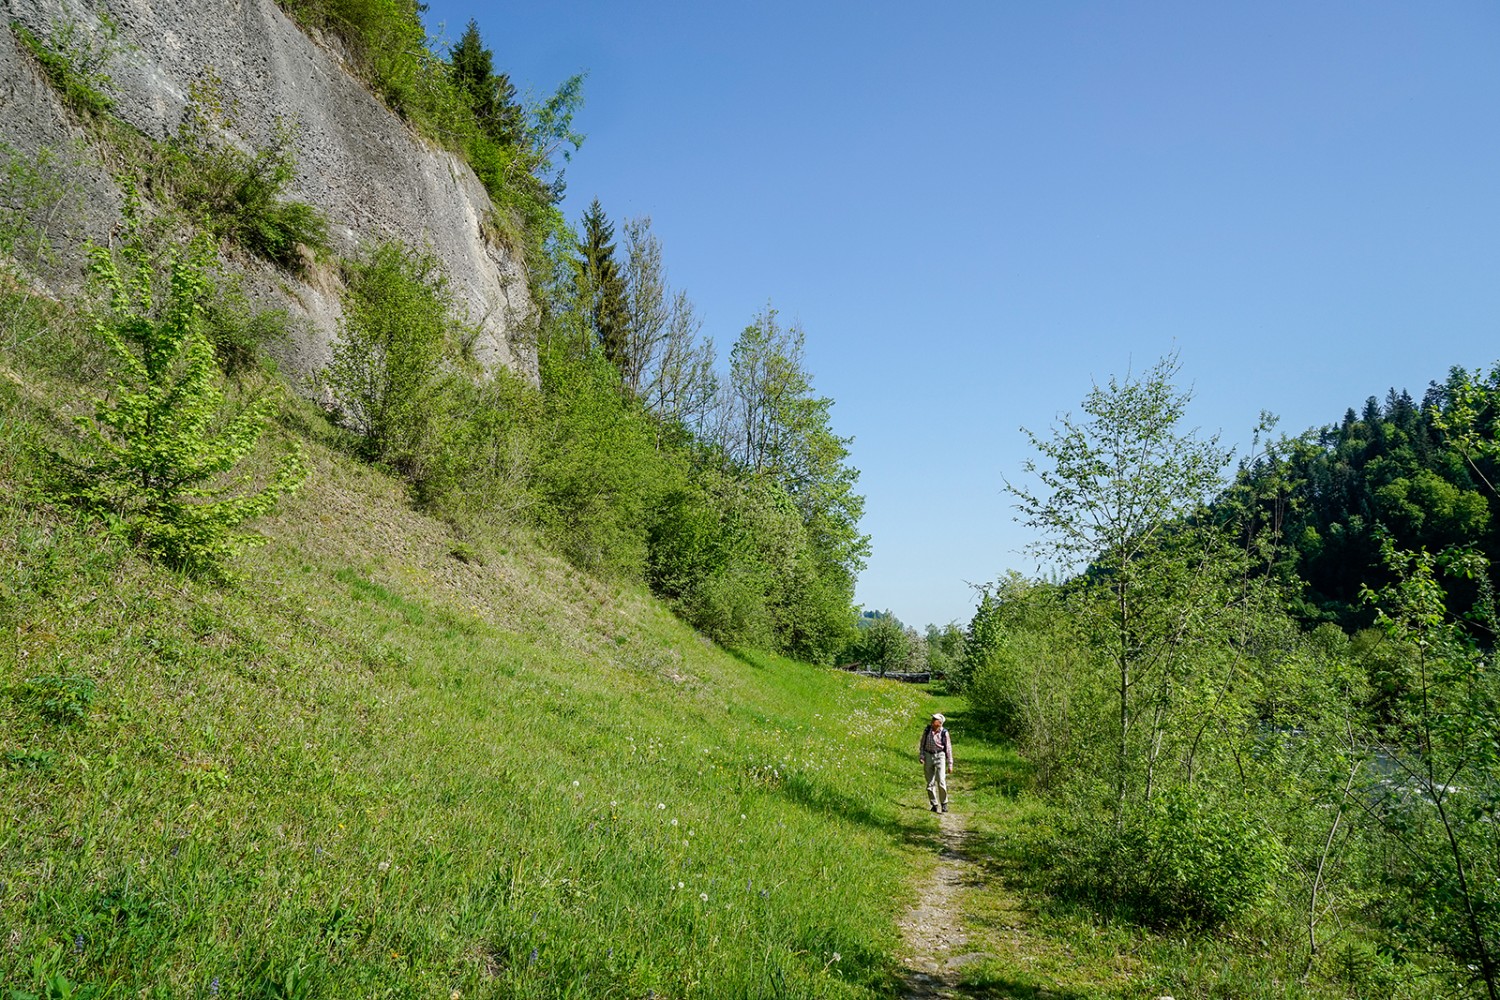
(976, 208)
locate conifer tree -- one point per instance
(491, 95)
(603, 286)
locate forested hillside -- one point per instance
(1418, 475)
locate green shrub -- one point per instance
(482, 450)
(239, 196)
(34, 197)
(164, 445)
(398, 316)
(73, 58)
(1188, 858)
(239, 332)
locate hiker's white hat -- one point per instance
(940, 716)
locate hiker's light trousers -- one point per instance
(937, 779)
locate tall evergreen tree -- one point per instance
(603, 287)
(491, 95)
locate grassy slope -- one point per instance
(367, 768)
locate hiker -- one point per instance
(935, 751)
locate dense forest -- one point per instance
(1417, 475)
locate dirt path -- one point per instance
(936, 943)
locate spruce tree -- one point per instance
(603, 286)
(490, 95)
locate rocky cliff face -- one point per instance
(356, 161)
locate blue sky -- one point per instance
(975, 209)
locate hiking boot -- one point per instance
(934, 808)
(945, 807)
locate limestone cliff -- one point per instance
(356, 161)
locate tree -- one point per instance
(491, 95)
(885, 646)
(1120, 491)
(601, 286)
(664, 364)
(773, 424)
(169, 443)
(1443, 812)
(393, 335)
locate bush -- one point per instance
(1188, 858)
(73, 58)
(35, 196)
(239, 195)
(389, 356)
(164, 444)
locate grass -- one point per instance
(367, 767)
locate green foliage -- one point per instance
(483, 445)
(61, 699)
(1442, 803)
(236, 195)
(1124, 489)
(601, 287)
(491, 96)
(1192, 858)
(1422, 475)
(883, 644)
(74, 58)
(239, 332)
(463, 105)
(165, 447)
(35, 198)
(393, 337)
(599, 475)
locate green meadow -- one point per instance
(384, 761)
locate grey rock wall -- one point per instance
(356, 161)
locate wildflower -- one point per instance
(679, 885)
(674, 820)
(78, 945)
(213, 987)
(384, 866)
(703, 896)
(532, 959)
(661, 805)
(575, 782)
(837, 957)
